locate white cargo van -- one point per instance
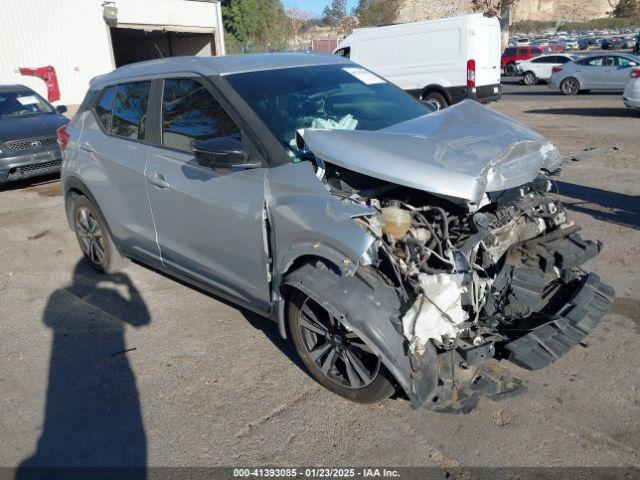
(443, 61)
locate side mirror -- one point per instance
(223, 152)
(61, 109)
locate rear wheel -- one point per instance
(530, 78)
(510, 70)
(94, 239)
(336, 357)
(436, 99)
(569, 86)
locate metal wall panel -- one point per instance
(72, 36)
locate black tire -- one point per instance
(436, 99)
(510, 70)
(349, 369)
(529, 78)
(570, 86)
(93, 237)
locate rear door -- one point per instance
(210, 222)
(592, 72)
(484, 48)
(116, 139)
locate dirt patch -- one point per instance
(48, 189)
(629, 308)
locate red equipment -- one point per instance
(48, 74)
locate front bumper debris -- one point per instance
(550, 340)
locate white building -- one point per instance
(85, 38)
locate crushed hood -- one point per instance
(460, 152)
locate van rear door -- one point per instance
(484, 48)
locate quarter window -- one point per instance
(104, 106)
(190, 114)
(130, 110)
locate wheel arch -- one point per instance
(76, 187)
(434, 88)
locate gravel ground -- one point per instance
(140, 369)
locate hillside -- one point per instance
(567, 10)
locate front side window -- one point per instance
(327, 96)
(22, 103)
(522, 52)
(344, 52)
(190, 114)
(130, 110)
(104, 107)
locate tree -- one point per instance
(255, 21)
(376, 12)
(626, 9)
(334, 13)
(498, 7)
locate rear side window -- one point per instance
(104, 106)
(509, 52)
(522, 52)
(563, 59)
(130, 110)
(190, 114)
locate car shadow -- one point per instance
(29, 182)
(623, 209)
(92, 416)
(589, 111)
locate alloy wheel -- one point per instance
(90, 236)
(339, 354)
(570, 86)
(529, 78)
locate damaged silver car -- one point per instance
(400, 249)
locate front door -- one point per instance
(209, 222)
(620, 72)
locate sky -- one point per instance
(316, 6)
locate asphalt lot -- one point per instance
(139, 369)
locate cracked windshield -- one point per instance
(326, 97)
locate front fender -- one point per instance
(369, 307)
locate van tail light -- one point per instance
(471, 73)
(63, 137)
(556, 69)
(635, 73)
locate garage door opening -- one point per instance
(132, 45)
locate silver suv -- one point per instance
(398, 248)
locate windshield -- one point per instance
(329, 96)
(22, 103)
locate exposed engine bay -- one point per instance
(474, 283)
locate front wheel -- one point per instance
(336, 357)
(569, 86)
(529, 79)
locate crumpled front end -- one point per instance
(460, 286)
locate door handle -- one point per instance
(158, 180)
